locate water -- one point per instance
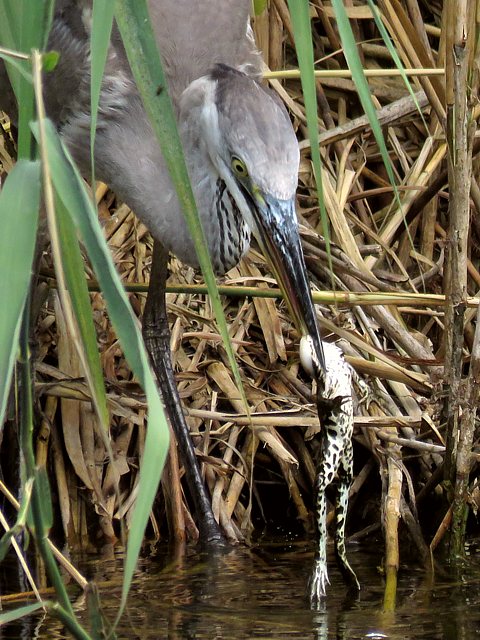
(260, 593)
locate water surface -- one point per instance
(260, 593)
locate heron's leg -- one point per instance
(156, 334)
(345, 475)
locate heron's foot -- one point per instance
(214, 541)
(317, 586)
(211, 536)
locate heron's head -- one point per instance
(249, 140)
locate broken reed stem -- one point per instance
(464, 458)
(391, 519)
(459, 415)
(172, 492)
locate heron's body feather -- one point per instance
(128, 157)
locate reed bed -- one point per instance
(388, 260)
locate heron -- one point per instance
(242, 157)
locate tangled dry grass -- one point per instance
(386, 265)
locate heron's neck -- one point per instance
(143, 181)
(226, 231)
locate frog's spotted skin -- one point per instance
(335, 409)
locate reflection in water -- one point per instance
(260, 593)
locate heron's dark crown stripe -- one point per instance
(223, 72)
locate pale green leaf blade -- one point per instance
(21, 612)
(73, 268)
(259, 6)
(361, 83)
(393, 52)
(19, 204)
(24, 25)
(102, 20)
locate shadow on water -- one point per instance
(260, 593)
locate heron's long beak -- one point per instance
(277, 234)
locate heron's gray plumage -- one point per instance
(256, 123)
(227, 114)
(209, 99)
(194, 36)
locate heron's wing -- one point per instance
(66, 90)
(193, 35)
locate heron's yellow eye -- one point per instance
(239, 167)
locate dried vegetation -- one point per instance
(392, 331)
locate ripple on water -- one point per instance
(260, 593)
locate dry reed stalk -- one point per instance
(461, 45)
(172, 492)
(393, 495)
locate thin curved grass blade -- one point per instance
(19, 526)
(21, 612)
(395, 57)
(361, 83)
(45, 500)
(299, 12)
(102, 20)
